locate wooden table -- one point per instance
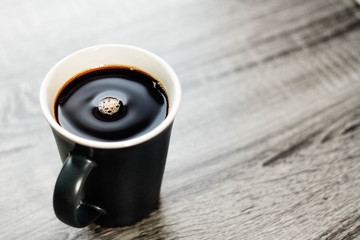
(266, 144)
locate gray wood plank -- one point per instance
(266, 144)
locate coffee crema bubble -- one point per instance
(111, 103)
(109, 106)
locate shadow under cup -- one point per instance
(110, 183)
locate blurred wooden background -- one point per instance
(266, 144)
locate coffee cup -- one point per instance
(109, 183)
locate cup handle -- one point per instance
(68, 193)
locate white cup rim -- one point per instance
(112, 144)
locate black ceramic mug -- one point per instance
(109, 183)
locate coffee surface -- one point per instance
(111, 103)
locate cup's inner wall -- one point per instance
(107, 55)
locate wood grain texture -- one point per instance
(266, 144)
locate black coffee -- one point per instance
(111, 103)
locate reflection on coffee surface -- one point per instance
(111, 103)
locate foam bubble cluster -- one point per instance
(109, 105)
